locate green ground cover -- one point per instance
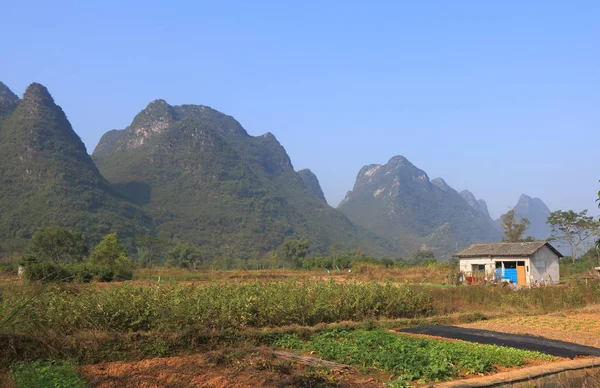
(410, 358)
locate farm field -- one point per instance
(223, 328)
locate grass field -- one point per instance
(183, 315)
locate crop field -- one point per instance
(410, 359)
(224, 328)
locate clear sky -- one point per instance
(500, 98)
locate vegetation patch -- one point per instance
(47, 374)
(124, 308)
(409, 358)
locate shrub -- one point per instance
(47, 272)
(81, 273)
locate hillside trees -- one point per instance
(293, 251)
(56, 244)
(184, 256)
(574, 229)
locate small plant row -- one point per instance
(409, 358)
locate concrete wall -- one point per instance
(490, 264)
(544, 266)
(466, 264)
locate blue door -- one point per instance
(510, 274)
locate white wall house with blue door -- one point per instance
(523, 263)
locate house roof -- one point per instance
(521, 249)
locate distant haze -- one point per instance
(500, 99)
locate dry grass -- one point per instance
(432, 274)
(579, 326)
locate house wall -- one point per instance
(544, 266)
(466, 264)
(490, 264)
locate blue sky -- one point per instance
(501, 98)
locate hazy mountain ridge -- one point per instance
(398, 201)
(206, 181)
(477, 204)
(536, 211)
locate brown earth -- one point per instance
(248, 368)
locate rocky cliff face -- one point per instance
(399, 201)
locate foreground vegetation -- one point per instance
(131, 320)
(42, 374)
(409, 358)
(219, 306)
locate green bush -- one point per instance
(47, 272)
(81, 273)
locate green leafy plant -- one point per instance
(410, 358)
(47, 374)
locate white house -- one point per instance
(522, 263)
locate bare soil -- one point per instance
(248, 368)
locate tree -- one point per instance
(185, 256)
(150, 249)
(513, 228)
(57, 244)
(573, 228)
(421, 256)
(109, 252)
(294, 251)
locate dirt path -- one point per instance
(526, 342)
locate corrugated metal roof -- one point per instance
(505, 249)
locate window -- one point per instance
(478, 267)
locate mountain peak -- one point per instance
(399, 201)
(399, 161)
(8, 100)
(441, 183)
(470, 198)
(524, 198)
(38, 94)
(312, 183)
(155, 118)
(484, 208)
(477, 204)
(6, 93)
(536, 211)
